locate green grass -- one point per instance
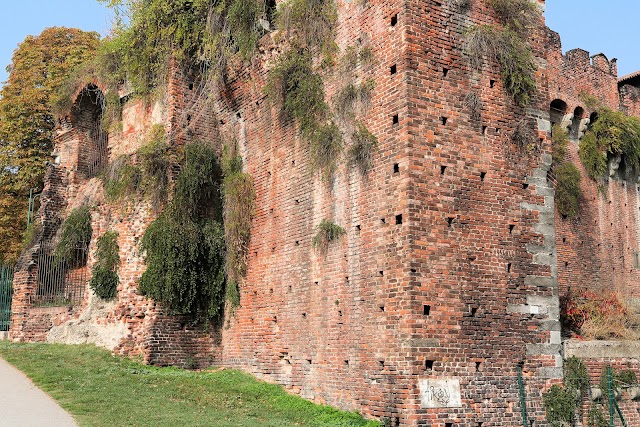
(99, 389)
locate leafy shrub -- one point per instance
(560, 406)
(75, 236)
(185, 265)
(104, 280)
(104, 277)
(568, 191)
(612, 133)
(510, 52)
(239, 204)
(595, 417)
(592, 315)
(185, 247)
(576, 377)
(362, 148)
(327, 232)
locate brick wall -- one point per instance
(448, 267)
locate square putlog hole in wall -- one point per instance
(393, 69)
(428, 365)
(444, 120)
(394, 20)
(395, 119)
(426, 310)
(396, 168)
(399, 219)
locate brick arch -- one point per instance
(557, 111)
(87, 120)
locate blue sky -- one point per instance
(20, 18)
(609, 27)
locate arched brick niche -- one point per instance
(87, 118)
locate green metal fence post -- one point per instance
(523, 398)
(612, 398)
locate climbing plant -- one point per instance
(74, 237)
(613, 133)
(510, 51)
(327, 232)
(239, 204)
(104, 275)
(364, 143)
(568, 192)
(148, 176)
(185, 246)
(560, 406)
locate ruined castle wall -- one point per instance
(446, 271)
(329, 326)
(481, 210)
(596, 249)
(131, 324)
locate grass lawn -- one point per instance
(99, 389)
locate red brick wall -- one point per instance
(348, 328)
(596, 249)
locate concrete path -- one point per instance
(22, 404)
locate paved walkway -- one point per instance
(22, 404)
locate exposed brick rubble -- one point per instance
(449, 268)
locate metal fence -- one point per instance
(60, 282)
(6, 294)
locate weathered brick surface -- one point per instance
(448, 267)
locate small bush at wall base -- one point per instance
(328, 231)
(560, 406)
(595, 417)
(568, 191)
(104, 277)
(75, 236)
(576, 377)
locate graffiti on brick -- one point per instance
(440, 393)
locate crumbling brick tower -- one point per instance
(446, 279)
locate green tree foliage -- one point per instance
(104, 276)
(613, 133)
(39, 68)
(185, 246)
